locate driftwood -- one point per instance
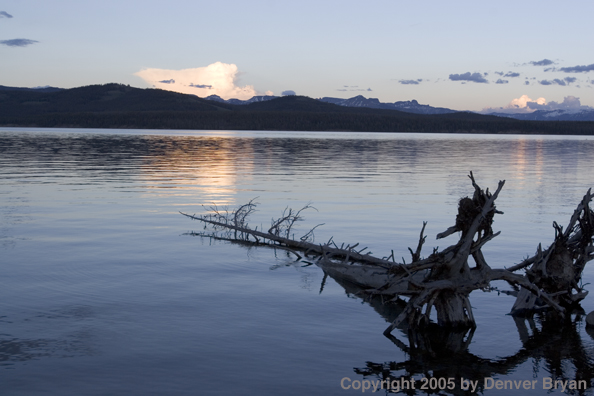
(558, 269)
(545, 340)
(445, 279)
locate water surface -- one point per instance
(102, 293)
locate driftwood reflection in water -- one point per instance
(555, 348)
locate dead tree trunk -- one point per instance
(451, 279)
(558, 269)
(445, 279)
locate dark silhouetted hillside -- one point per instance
(100, 98)
(121, 106)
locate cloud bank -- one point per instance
(411, 82)
(473, 77)
(354, 88)
(577, 69)
(215, 79)
(569, 103)
(508, 74)
(524, 104)
(288, 92)
(519, 105)
(556, 81)
(20, 42)
(544, 62)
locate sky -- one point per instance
(510, 56)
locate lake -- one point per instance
(104, 292)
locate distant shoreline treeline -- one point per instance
(123, 107)
(295, 121)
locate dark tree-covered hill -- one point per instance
(122, 106)
(100, 98)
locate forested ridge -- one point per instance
(121, 106)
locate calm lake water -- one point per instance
(102, 292)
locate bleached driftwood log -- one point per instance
(445, 279)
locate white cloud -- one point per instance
(569, 103)
(524, 104)
(215, 79)
(523, 101)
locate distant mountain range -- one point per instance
(411, 106)
(122, 106)
(551, 115)
(239, 102)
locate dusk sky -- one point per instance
(463, 55)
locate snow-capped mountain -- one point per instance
(552, 115)
(254, 99)
(409, 106)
